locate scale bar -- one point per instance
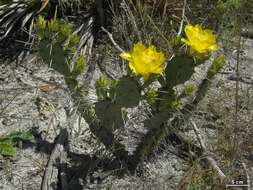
(237, 185)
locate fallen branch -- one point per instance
(211, 161)
(56, 154)
(63, 171)
(208, 159)
(197, 132)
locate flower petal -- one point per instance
(214, 47)
(144, 60)
(200, 40)
(126, 56)
(187, 42)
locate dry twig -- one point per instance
(210, 159)
(56, 153)
(182, 20)
(112, 40)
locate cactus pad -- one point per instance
(179, 70)
(127, 93)
(109, 114)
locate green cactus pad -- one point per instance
(55, 58)
(127, 93)
(44, 50)
(109, 114)
(179, 70)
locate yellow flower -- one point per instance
(144, 61)
(202, 41)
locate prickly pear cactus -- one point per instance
(54, 55)
(109, 114)
(179, 70)
(164, 100)
(57, 47)
(128, 93)
(113, 96)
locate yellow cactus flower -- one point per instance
(144, 61)
(199, 40)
